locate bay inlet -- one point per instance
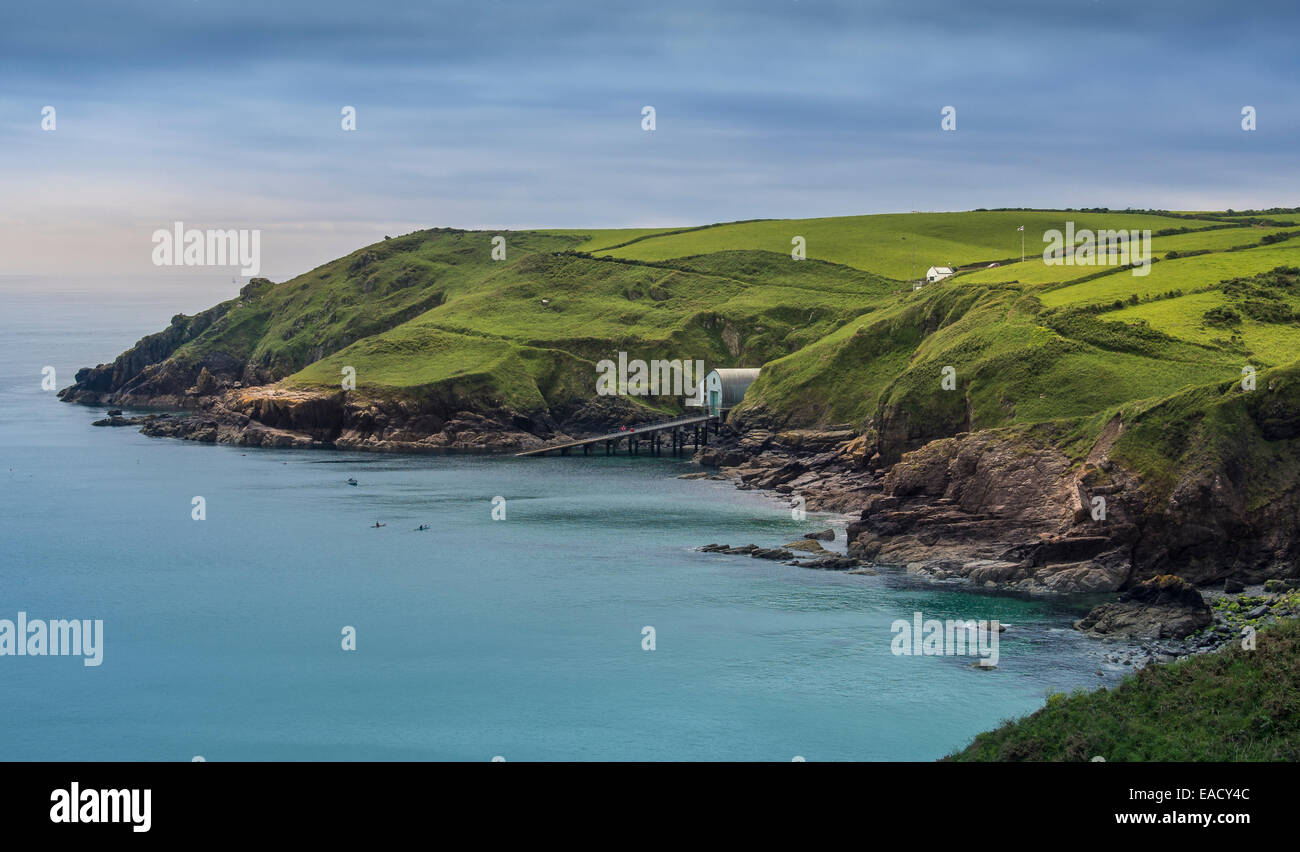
(520, 638)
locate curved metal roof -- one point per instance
(747, 374)
(733, 382)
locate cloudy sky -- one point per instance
(503, 114)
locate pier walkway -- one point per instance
(692, 429)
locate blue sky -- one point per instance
(528, 114)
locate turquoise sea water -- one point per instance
(519, 638)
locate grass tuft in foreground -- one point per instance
(1235, 705)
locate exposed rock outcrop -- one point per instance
(276, 417)
(1164, 607)
(147, 374)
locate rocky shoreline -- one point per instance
(268, 416)
(999, 509)
(1233, 620)
(1159, 621)
(1006, 513)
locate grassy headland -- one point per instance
(841, 338)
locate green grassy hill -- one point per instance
(1027, 350)
(842, 337)
(534, 326)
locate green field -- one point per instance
(893, 245)
(603, 238)
(1269, 344)
(1290, 217)
(1029, 273)
(1216, 240)
(1036, 271)
(1186, 274)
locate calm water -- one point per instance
(520, 638)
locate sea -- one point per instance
(557, 609)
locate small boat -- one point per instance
(378, 525)
(422, 528)
(351, 481)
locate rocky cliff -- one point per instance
(1202, 485)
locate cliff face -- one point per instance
(164, 369)
(144, 372)
(271, 416)
(1219, 469)
(1001, 509)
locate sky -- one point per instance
(494, 114)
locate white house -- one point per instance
(937, 273)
